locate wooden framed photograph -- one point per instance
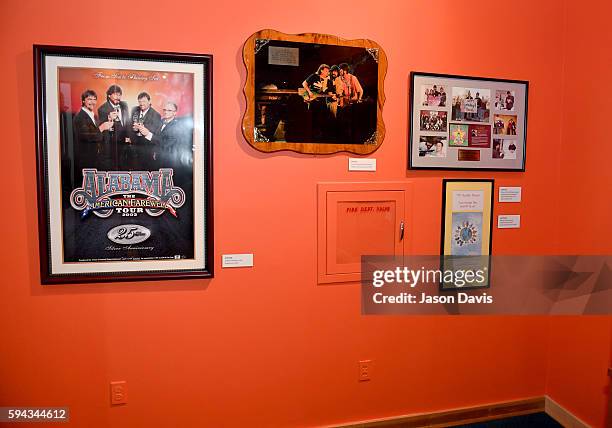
(124, 164)
(313, 93)
(467, 226)
(469, 123)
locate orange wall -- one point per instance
(267, 346)
(580, 346)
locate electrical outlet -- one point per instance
(365, 367)
(118, 392)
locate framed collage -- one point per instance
(468, 123)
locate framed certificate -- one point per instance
(467, 213)
(124, 164)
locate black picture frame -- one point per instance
(475, 261)
(118, 201)
(455, 134)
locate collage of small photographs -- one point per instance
(469, 119)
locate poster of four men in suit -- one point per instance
(134, 133)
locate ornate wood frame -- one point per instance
(248, 122)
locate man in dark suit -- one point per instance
(141, 153)
(509, 100)
(117, 111)
(173, 142)
(88, 134)
(145, 115)
(174, 149)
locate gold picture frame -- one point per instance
(467, 227)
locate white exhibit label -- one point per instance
(237, 260)
(359, 164)
(509, 221)
(510, 194)
(278, 55)
(468, 200)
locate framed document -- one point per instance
(471, 123)
(124, 164)
(313, 93)
(467, 213)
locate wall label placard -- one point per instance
(237, 260)
(509, 221)
(510, 194)
(359, 164)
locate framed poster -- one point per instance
(124, 164)
(467, 213)
(471, 123)
(313, 93)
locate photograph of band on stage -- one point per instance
(315, 93)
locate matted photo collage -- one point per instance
(464, 124)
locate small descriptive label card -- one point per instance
(510, 194)
(509, 221)
(278, 55)
(359, 164)
(237, 260)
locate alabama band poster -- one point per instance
(124, 164)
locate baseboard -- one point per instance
(454, 417)
(468, 415)
(561, 415)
